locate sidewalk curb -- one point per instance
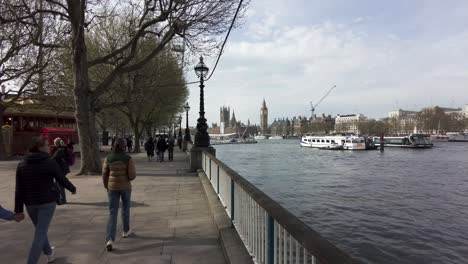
(231, 243)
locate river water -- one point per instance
(399, 206)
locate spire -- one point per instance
(233, 119)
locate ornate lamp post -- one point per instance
(187, 130)
(179, 139)
(202, 139)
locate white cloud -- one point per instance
(362, 19)
(289, 65)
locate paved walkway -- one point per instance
(170, 217)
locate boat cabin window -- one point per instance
(332, 141)
(323, 140)
(348, 141)
(313, 140)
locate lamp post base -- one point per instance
(196, 157)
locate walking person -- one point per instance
(71, 153)
(35, 188)
(170, 148)
(149, 147)
(129, 144)
(60, 154)
(161, 146)
(112, 141)
(118, 170)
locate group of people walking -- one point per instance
(161, 144)
(41, 182)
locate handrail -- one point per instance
(313, 242)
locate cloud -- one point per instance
(291, 64)
(361, 19)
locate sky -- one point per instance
(381, 55)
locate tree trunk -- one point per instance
(3, 155)
(137, 132)
(84, 113)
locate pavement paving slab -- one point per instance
(170, 218)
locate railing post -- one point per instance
(270, 238)
(232, 202)
(210, 169)
(217, 179)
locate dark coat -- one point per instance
(61, 157)
(149, 146)
(161, 145)
(35, 176)
(170, 144)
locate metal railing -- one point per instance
(271, 234)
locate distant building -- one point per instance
(349, 123)
(402, 113)
(228, 124)
(462, 113)
(264, 118)
(281, 127)
(402, 121)
(321, 125)
(299, 125)
(224, 118)
(233, 122)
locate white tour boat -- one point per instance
(276, 137)
(439, 138)
(334, 142)
(457, 136)
(260, 137)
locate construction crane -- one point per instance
(312, 106)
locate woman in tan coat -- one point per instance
(117, 172)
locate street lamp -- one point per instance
(179, 139)
(202, 139)
(187, 130)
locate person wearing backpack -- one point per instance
(118, 170)
(60, 155)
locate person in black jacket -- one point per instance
(60, 155)
(149, 147)
(35, 188)
(161, 146)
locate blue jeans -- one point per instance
(114, 197)
(41, 216)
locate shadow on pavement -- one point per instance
(105, 204)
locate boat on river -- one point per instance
(334, 142)
(439, 138)
(411, 141)
(276, 137)
(260, 137)
(457, 136)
